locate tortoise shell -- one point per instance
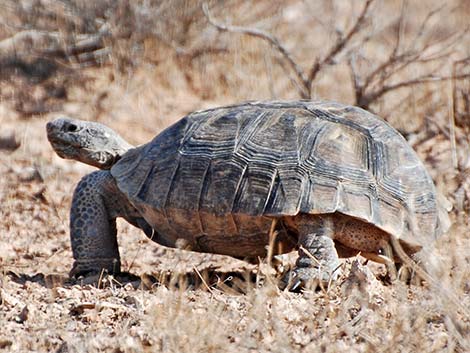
(260, 160)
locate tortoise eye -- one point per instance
(71, 128)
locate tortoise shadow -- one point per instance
(235, 282)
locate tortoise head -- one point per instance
(85, 141)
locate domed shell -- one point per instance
(282, 158)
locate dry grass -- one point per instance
(168, 60)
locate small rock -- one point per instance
(362, 279)
(63, 348)
(9, 142)
(79, 309)
(40, 195)
(9, 300)
(133, 301)
(23, 315)
(5, 343)
(29, 174)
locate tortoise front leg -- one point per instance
(318, 260)
(93, 225)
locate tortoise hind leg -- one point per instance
(318, 260)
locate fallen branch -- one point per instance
(32, 43)
(22, 42)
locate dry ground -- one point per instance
(42, 311)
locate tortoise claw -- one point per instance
(89, 267)
(307, 278)
(296, 285)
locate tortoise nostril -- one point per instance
(71, 127)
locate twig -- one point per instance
(387, 88)
(265, 36)
(369, 87)
(302, 81)
(466, 98)
(340, 44)
(203, 280)
(453, 143)
(309, 254)
(52, 44)
(272, 240)
(400, 29)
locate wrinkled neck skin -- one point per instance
(88, 142)
(102, 159)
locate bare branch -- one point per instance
(406, 58)
(376, 83)
(340, 43)
(461, 117)
(50, 44)
(273, 41)
(303, 81)
(91, 58)
(295, 82)
(358, 91)
(368, 99)
(422, 29)
(400, 29)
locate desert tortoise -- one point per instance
(337, 179)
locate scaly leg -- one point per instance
(318, 260)
(92, 230)
(96, 203)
